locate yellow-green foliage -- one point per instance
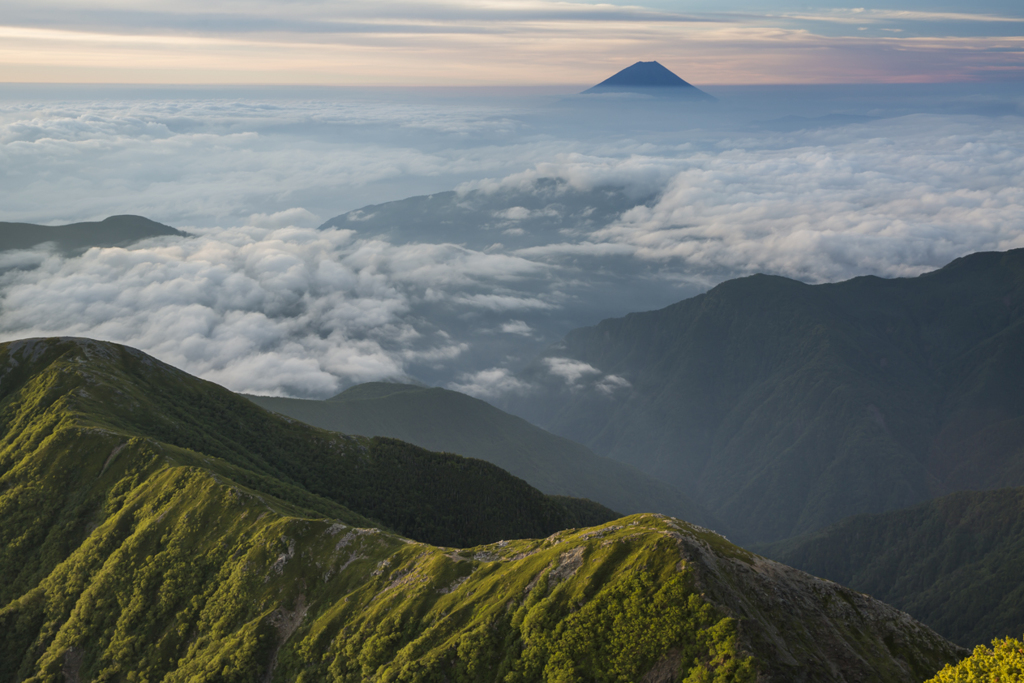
(1002, 663)
(596, 605)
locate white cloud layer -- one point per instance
(895, 197)
(212, 160)
(462, 289)
(290, 310)
(490, 383)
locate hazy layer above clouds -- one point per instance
(565, 211)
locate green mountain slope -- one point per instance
(956, 563)
(785, 407)
(56, 388)
(110, 232)
(129, 558)
(443, 420)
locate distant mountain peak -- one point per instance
(648, 78)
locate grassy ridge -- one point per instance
(442, 420)
(433, 497)
(196, 579)
(954, 563)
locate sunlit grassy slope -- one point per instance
(443, 420)
(784, 407)
(157, 527)
(956, 563)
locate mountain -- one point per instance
(517, 217)
(785, 407)
(955, 563)
(77, 237)
(74, 395)
(157, 527)
(442, 420)
(649, 78)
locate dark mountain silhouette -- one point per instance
(954, 563)
(649, 78)
(114, 231)
(785, 407)
(442, 420)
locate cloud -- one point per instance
(571, 371)
(296, 216)
(892, 197)
(517, 327)
(499, 302)
(609, 384)
(489, 383)
(639, 175)
(577, 374)
(201, 162)
(472, 43)
(861, 16)
(281, 311)
(520, 213)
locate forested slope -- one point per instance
(955, 563)
(58, 390)
(443, 420)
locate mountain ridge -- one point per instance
(428, 496)
(112, 231)
(443, 420)
(785, 407)
(953, 562)
(128, 557)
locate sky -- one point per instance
(505, 42)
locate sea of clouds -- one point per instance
(261, 300)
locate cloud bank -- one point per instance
(290, 310)
(561, 217)
(893, 198)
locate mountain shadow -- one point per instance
(442, 420)
(785, 407)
